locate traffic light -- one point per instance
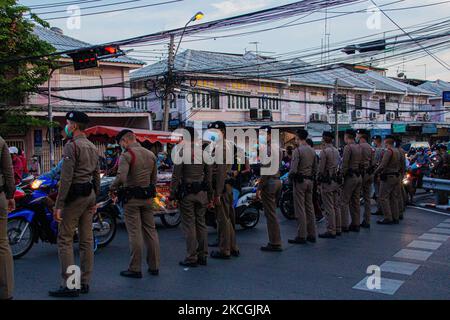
(89, 58)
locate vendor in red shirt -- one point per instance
(17, 164)
(22, 157)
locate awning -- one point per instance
(141, 135)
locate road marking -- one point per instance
(388, 286)
(399, 267)
(448, 221)
(443, 225)
(434, 211)
(424, 245)
(434, 237)
(440, 230)
(413, 254)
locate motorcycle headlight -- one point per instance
(36, 184)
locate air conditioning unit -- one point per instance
(157, 116)
(390, 116)
(373, 116)
(315, 117)
(255, 114)
(426, 117)
(356, 114)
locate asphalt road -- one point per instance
(329, 269)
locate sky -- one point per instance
(130, 23)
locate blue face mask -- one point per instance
(161, 157)
(212, 136)
(67, 131)
(262, 140)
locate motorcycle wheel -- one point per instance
(171, 220)
(249, 218)
(15, 228)
(104, 230)
(287, 205)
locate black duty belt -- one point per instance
(78, 190)
(143, 193)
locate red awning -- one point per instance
(141, 135)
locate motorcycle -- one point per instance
(246, 207)
(286, 202)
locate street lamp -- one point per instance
(198, 16)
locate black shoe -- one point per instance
(202, 261)
(378, 213)
(345, 230)
(84, 289)
(271, 248)
(214, 244)
(235, 253)
(353, 228)
(327, 235)
(401, 217)
(188, 264)
(64, 292)
(338, 234)
(131, 274)
(153, 272)
(297, 241)
(365, 225)
(385, 221)
(311, 239)
(219, 255)
(396, 222)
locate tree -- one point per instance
(19, 74)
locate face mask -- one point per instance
(161, 157)
(67, 131)
(374, 144)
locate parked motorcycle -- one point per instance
(286, 201)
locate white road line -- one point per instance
(434, 237)
(399, 267)
(388, 286)
(440, 230)
(424, 245)
(448, 221)
(443, 225)
(413, 254)
(430, 210)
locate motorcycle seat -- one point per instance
(247, 190)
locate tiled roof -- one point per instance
(62, 42)
(246, 65)
(437, 87)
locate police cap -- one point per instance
(77, 116)
(350, 132)
(267, 129)
(302, 134)
(327, 134)
(122, 133)
(362, 131)
(217, 125)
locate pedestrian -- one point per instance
(75, 204)
(442, 171)
(351, 191)
(328, 169)
(269, 189)
(302, 173)
(23, 159)
(377, 144)
(35, 166)
(135, 186)
(222, 200)
(389, 173)
(17, 164)
(367, 170)
(7, 204)
(192, 186)
(402, 199)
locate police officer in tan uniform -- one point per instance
(351, 190)
(402, 199)
(269, 188)
(75, 204)
(223, 198)
(367, 168)
(328, 167)
(389, 174)
(302, 173)
(377, 144)
(135, 186)
(191, 186)
(7, 204)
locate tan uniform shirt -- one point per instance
(352, 158)
(80, 165)
(390, 162)
(368, 155)
(329, 161)
(6, 171)
(139, 170)
(378, 156)
(304, 161)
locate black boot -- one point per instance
(219, 255)
(131, 274)
(271, 248)
(188, 264)
(327, 235)
(297, 240)
(153, 272)
(365, 225)
(385, 221)
(64, 292)
(353, 228)
(84, 289)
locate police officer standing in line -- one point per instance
(302, 173)
(378, 145)
(402, 199)
(269, 189)
(328, 167)
(367, 170)
(7, 204)
(75, 204)
(389, 173)
(351, 164)
(135, 187)
(191, 186)
(223, 198)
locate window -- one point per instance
(205, 100)
(267, 103)
(358, 101)
(382, 106)
(238, 102)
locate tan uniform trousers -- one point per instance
(269, 196)
(351, 193)
(401, 200)
(389, 198)
(6, 260)
(77, 214)
(304, 209)
(366, 192)
(141, 230)
(225, 218)
(338, 209)
(193, 210)
(330, 199)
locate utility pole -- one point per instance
(336, 112)
(169, 85)
(50, 119)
